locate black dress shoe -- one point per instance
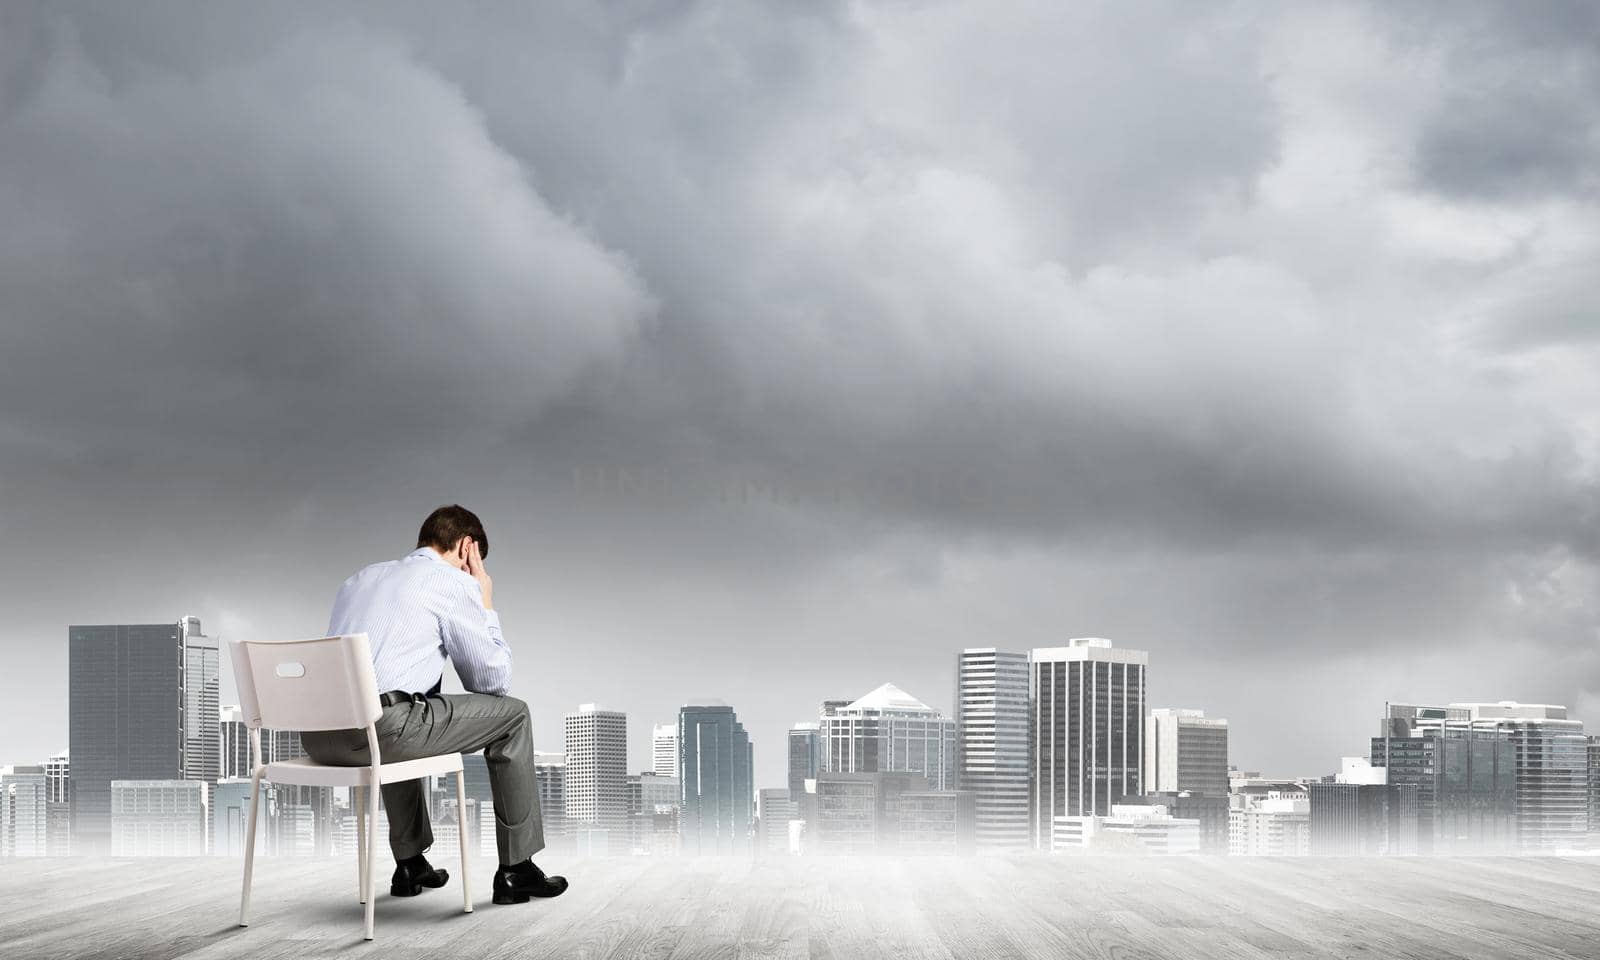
(517, 883)
(410, 876)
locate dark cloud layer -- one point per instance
(788, 349)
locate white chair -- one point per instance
(327, 684)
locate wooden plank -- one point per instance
(783, 908)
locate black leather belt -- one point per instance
(400, 696)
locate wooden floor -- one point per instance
(984, 909)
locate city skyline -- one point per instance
(224, 753)
(1104, 767)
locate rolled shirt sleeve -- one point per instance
(474, 643)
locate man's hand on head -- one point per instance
(480, 573)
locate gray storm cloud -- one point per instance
(787, 350)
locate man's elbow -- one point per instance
(497, 680)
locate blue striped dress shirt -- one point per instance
(418, 612)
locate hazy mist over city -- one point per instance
(785, 350)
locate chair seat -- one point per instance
(308, 772)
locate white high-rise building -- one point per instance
(889, 731)
(595, 775)
(992, 743)
(233, 744)
(1184, 750)
(488, 843)
(58, 804)
(664, 749)
(1086, 716)
(23, 811)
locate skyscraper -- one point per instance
(802, 758)
(653, 812)
(1594, 791)
(550, 770)
(1185, 751)
(233, 744)
(58, 804)
(141, 706)
(992, 743)
(1086, 714)
(1465, 773)
(201, 703)
(595, 776)
(718, 792)
(1552, 762)
(664, 749)
(23, 811)
(889, 731)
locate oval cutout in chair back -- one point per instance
(293, 668)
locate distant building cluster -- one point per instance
(1052, 750)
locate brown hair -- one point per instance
(445, 527)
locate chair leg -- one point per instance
(461, 835)
(372, 844)
(250, 848)
(358, 797)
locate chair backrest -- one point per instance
(321, 684)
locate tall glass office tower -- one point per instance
(992, 744)
(202, 752)
(1552, 762)
(1086, 713)
(1465, 775)
(142, 705)
(716, 761)
(803, 758)
(1466, 763)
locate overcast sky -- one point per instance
(786, 350)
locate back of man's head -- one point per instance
(445, 527)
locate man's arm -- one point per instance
(473, 640)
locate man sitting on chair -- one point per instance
(432, 605)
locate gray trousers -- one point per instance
(449, 723)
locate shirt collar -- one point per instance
(426, 553)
